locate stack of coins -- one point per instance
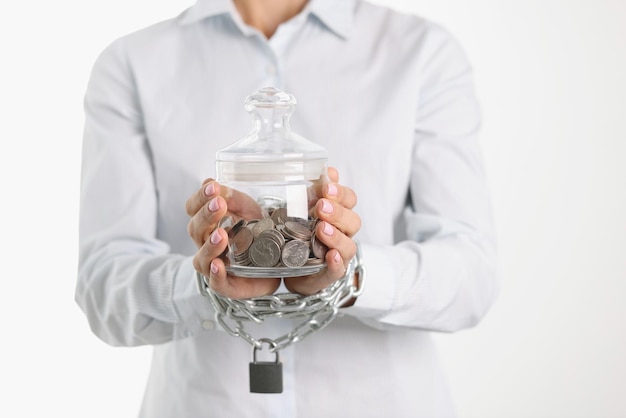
(275, 241)
(239, 241)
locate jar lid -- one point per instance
(271, 150)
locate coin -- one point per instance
(274, 235)
(279, 216)
(275, 240)
(264, 252)
(297, 230)
(318, 248)
(313, 262)
(262, 225)
(233, 229)
(241, 241)
(295, 253)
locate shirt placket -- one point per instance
(276, 49)
(270, 70)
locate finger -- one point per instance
(241, 204)
(238, 202)
(205, 220)
(214, 246)
(343, 195)
(209, 263)
(209, 189)
(348, 221)
(333, 174)
(315, 191)
(335, 270)
(335, 265)
(238, 287)
(333, 238)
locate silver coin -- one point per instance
(297, 230)
(275, 235)
(285, 232)
(318, 248)
(240, 241)
(264, 252)
(232, 230)
(279, 216)
(262, 225)
(295, 253)
(313, 262)
(301, 221)
(243, 260)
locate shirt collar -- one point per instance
(204, 9)
(336, 15)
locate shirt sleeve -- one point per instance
(132, 289)
(444, 277)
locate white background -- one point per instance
(550, 76)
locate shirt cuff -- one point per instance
(195, 312)
(378, 287)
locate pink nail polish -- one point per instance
(328, 229)
(327, 207)
(209, 190)
(332, 189)
(213, 205)
(337, 258)
(216, 238)
(214, 268)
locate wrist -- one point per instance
(355, 276)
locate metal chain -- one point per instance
(318, 310)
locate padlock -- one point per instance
(266, 376)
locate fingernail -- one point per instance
(327, 207)
(337, 258)
(216, 238)
(214, 268)
(328, 229)
(213, 205)
(209, 190)
(332, 189)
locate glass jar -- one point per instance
(274, 178)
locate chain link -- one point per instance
(317, 310)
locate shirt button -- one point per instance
(208, 324)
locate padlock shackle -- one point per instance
(271, 343)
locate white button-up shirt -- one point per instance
(390, 96)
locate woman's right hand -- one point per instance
(207, 207)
